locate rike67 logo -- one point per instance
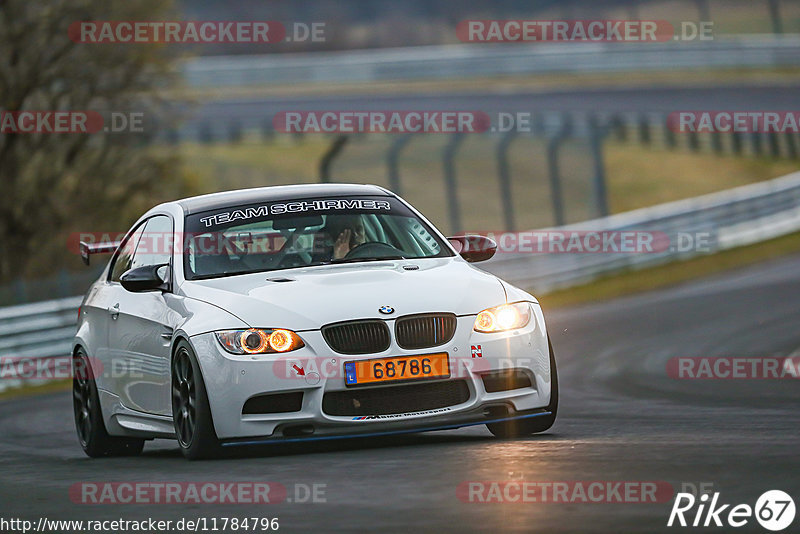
(774, 511)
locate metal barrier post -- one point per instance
(597, 135)
(736, 143)
(694, 141)
(775, 15)
(327, 158)
(790, 146)
(451, 185)
(392, 158)
(234, 132)
(669, 136)
(205, 134)
(505, 180)
(716, 143)
(267, 130)
(703, 10)
(758, 148)
(644, 130)
(774, 146)
(620, 128)
(555, 178)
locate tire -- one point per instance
(92, 435)
(525, 427)
(191, 412)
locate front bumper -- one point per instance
(231, 380)
(484, 416)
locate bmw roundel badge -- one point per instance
(386, 310)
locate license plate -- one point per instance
(398, 368)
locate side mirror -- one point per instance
(473, 248)
(144, 278)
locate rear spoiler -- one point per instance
(87, 249)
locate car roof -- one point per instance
(269, 194)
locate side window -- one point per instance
(155, 245)
(122, 262)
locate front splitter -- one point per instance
(338, 432)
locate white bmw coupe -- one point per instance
(295, 313)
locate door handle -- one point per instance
(113, 311)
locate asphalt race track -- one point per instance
(621, 419)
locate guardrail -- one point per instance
(42, 330)
(731, 218)
(475, 60)
(728, 219)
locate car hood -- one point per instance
(308, 298)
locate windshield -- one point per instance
(285, 234)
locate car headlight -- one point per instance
(258, 341)
(505, 317)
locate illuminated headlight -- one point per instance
(257, 341)
(505, 317)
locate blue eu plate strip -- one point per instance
(350, 373)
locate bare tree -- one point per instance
(50, 183)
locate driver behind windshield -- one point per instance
(346, 233)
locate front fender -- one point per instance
(515, 294)
(200, 317)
